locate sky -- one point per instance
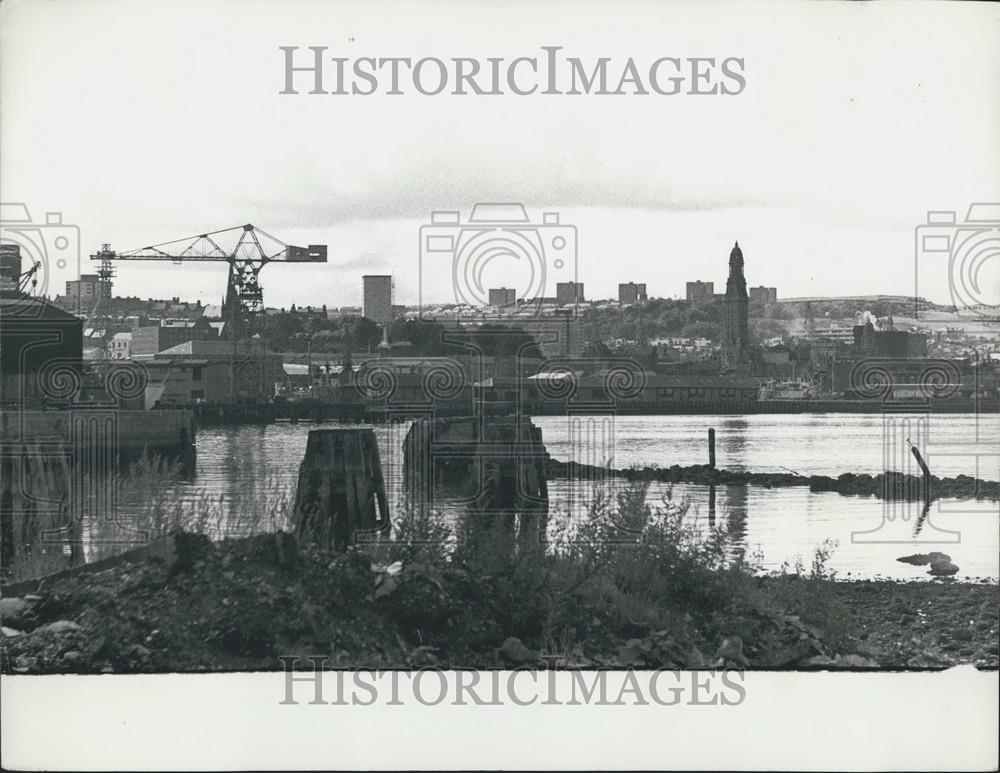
(145, 122)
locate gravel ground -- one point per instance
(191, 605)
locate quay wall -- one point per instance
(125, 431)
(375, 412)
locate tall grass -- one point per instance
(53, 521)
(624, 564)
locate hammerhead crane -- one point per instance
(247, 250)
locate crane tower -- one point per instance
(247, 250)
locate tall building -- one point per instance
(763, 294)
(378, 298)
(735, 312)
(569, 292)
(630, 292)
(83, 292)
(700, 292)
(503, 296)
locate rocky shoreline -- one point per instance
(189, 604)
(889, 485)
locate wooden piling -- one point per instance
(340, 485)
(502, 461)
(711, 447)
(924, 468)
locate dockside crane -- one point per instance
(246, 249)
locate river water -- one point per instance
(245, 468)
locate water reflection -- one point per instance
(248, 474)
(737, 510)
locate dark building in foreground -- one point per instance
(735, 318)
(41, 351)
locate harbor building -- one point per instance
(148, 340)
(41, 351)
(888, 343)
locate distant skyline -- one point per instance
(847, 133)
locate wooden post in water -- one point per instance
(925, 469)
(340, 484)
(711, 447)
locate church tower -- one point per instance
(735, 312)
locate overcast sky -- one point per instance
(143, 122)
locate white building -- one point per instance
(121, 346)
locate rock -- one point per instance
(72, 656)
(731, 648)
(181, 551)
(286, 550)
(922, 559)
(853, 661)
(59, 626)
(514, 651)
(9, 633)
(696, 659)
(633, 629)
(12, 609)
(139, 652)
(942, 568)
(792, 654)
